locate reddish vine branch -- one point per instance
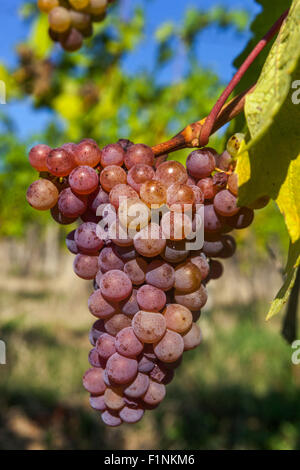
(198, 133)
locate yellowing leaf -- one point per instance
(270, 165)
(289, 199)
(291, 271)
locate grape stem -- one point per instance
(198, 133)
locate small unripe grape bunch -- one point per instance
(71, 22)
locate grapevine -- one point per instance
(149, 280)
(70, 22)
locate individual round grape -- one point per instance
(96, 7)
(149, 327)
(187, 278)
(216, 269)
(242, 219)
(200, 163)
(161, 374)
(119, 235)
(59, 19)
(79, 4)
(38, 157)
(87, 154)
(220, 180)
(108, 260)
(170, 347)
(112, 154)
(192, 338)
(233, 184)
(198, 195)
(153, 193)
(71, 205)
(97, 402)
(202, 264)
(93, 381)
(207, 187)
(71, 244)
(111, 419)
(128, 344)
(193, 301)
(131, 415)
(151, 298)
(213, 248)
(87, 239)
(180, 195)
(155, 394)
(133, 214)
(145, 364)
(149, 242)
(113, 399)
(229, 247)
(117, 323)
(84, 180)
(71, 40)
(96, 331)
(212, 221)
(115, 285)
(138, 387)
(101, 308)
(178, 318)
(176, 225)
(60, 162)
(98, 198)
(171, 172)
(139, 153)
(47, 5)
(136, 270)
(130, 306)
(161, 275)
(80, 20)
(94, 359)
(234, 144)
(174, 252)
(225, 204)
(139, 174)
(120, 192)
(224, 161)
(42, 195)
(85, 266)
(125, 143)
(121, 370)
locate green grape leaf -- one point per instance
(291, 271)
(270, 12)
(270, 165)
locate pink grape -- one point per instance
(171, 172)
(113, 399)
(87, 238)
(116, 323)
(84, 180)
(101, 308)
(115, 285)
(130, 415)
(111, 419)
(97, 403)
(71, 205)
(155, 394)
(149, 242)
(200, 163)
(149, 327)
(192, 338)
(130, 306)
(112, 176)
(136, 270)
(85, 266)
(170, 347)
(178, 318)
(112, 154)
(138, 387)
(193, 301)
(138, 153)
(87, 153)
(127, 343)
(139, 174)
(161, 275)
(93, 381)
(60, 162)
(42, 195)
(151, 298)
(109, 260)
(38, 157)
(121, 370)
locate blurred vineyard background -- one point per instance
(240, 389)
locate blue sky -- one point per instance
(217, 48)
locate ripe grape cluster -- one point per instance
(148, 287)
(71, 21)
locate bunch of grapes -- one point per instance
(149, 288)
(71, 21)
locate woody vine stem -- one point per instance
(197, 134)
